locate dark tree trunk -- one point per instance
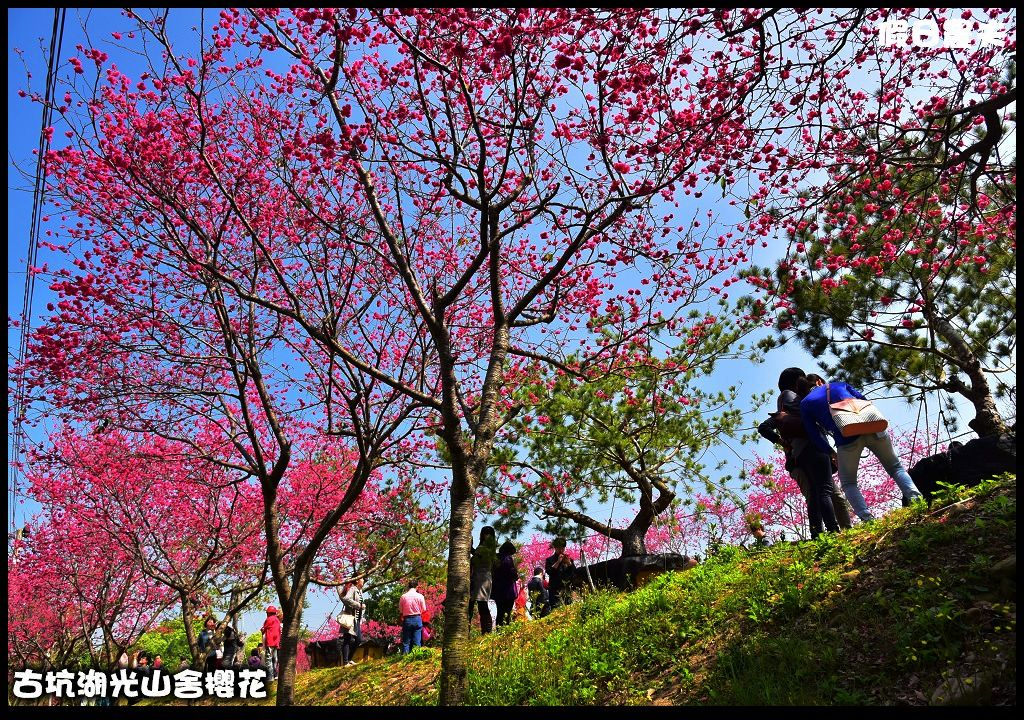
(987, 420)
(469, 461)
(190, 630)
(633, 541)
(288, 652)
(455, 647)
(633, 536)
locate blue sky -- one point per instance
(26, 28)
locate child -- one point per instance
(522, 599)
(427, 627)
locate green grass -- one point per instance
(874, 615)
(847, 619)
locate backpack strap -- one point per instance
(828, 397)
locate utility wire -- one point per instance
(38, 197)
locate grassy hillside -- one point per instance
(915, 608)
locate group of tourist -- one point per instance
(801, 424)
(222, 647)
(803, 420)
(495, 576)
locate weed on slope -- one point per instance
(918, 607)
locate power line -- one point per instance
(38, 196)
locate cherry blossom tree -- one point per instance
(148, 339)
(496, 202)
(196, 531)
(687, 529)
(72, 594)
(289, 542)
(182, 522)
(355, 226)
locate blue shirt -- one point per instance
(815, 413)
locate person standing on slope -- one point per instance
(816, 413)
(272, 639)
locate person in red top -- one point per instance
(522, 598)
(426, 617)
(272, 638)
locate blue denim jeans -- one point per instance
(412, 633)
(849, 460)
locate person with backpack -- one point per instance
(506, 582)
(812, 473)
(816, 464)
(816, 409)
(271, 630)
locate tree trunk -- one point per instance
(633, 536)
(987, 420)
(288, 652)
(633, 541)
(232, 617)
(455, 647)
(109, 659)
(190, 630)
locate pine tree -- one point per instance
(910, 281)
